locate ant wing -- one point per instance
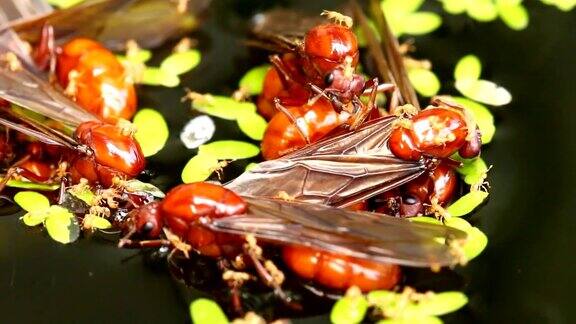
(113, 23)
(21, 87)
(363, 235)
(386, 53)
(42, 136)
(282, 30)
(337, 171)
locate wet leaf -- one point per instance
(229, 150)
(84, 194)
(197, 131)
(473, 170)
(251, 166)
(206, 311)
(31, 201)
(63, 4)
(32, 185)
(137, 186)
(412, 320)
(349, 310)
(35, 218)
(482, 10)
(252, 81)
(421, 23)
(199, 168)
(223, 107)
(180, 62)
(440, 303)
(424, 81)
(156, 77)
(253, 125)
(484, 91)
(468, 68)
(513, 15)
(454, 7)
(151, 131)
(62, 225)
(96, 222)
(476, 243)
(483, 117)
(467, 203)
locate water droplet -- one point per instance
(198, 131)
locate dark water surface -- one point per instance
(526, 275)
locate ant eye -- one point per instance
(329, 78)
(148, 226)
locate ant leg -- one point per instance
(381, 88)
(292, 119)
(285, 76)
(130, 244)
(45, 55)
(12, 171)
(365, 109)
(337, 104)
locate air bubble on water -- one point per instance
(197, 131)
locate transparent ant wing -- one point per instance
(362, 235)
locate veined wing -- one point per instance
(21, 87)
(113, 22)
(337, 171)
(363, 235)
(335, 180)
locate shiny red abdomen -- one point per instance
(340, 272)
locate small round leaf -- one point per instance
(35, 218)
(199, 168)
(180, 62)
(440, 303)
(468, 68)
(476, 242)
(484, 91)
(31, 201)
(467, 203)
(482, 115)
(349, 310)
(206, 311)
(424, 81)
(252, 81)
(420, 23)
(482, 10)
(62, 225)
(253, 125)
(454, 7)
(152, 131)
(514, 16)
(229, 150)
(157, 77)
(223, 107)
(96, 222)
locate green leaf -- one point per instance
(84, 194)
(441, 303)
(251, 166)
(156, 77)
(180, 62)
(32, 185)
(252, 81)
(483, 117)
(62, 225)
(63, 4)
(467, 203)
(400, 7)
(199, 168)
(425, 219)
(484, 91)
(458, 223)
(253, 125)
(135, 185)
(35, 218)
(31, 201)
(141, 56)
(424, 81)
(454, 7)
(349, 310)
(468, 68)
(206, 311)
(514, 16)
(96, 222)
(420, 23)
(152, 131)
(476, 242)
(223, 107)
(482, 10)
(473, 170)
(229, 150)
(412, 320)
